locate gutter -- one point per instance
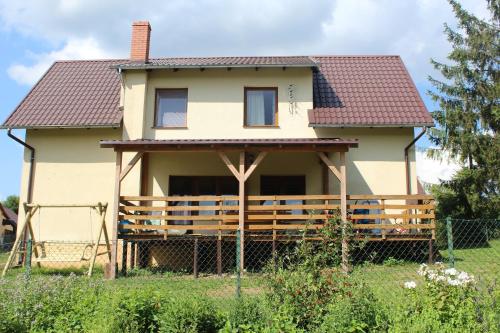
(407, 160)
(32, 163)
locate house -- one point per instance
(205, 146)
(8, 227)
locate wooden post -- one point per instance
(343, 213)
(275, 262)
(132, 254)
(242, 176)
(241, 210)
(116, 206)
(124, 257)
(219, 241)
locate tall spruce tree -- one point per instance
(469, 116)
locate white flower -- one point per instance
(440, 278)
(410, 285)
(465, 278)
(451, 271)
(422, 270)
(453, 282)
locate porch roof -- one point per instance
(288, 144)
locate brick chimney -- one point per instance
(139, 50)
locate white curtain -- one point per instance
(255, 108)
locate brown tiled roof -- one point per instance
(8, 213)
(365, 91)
(184, 144)
(72, 94)
(188, 62)
(347, 91)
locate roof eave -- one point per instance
(61, 126)
(370, 125)
(150, 66)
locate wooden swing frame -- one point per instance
(27, 226)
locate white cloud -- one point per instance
(412, 28)
(432, 171)
(87, 48)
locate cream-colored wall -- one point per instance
(163, 165)
(70, 168)
(215, 102)
(376, 167)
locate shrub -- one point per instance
(189, 315)
(448, 301)
(247, 312)
(56, 304)
(355, 310)
(128, 311)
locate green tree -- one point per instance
(12, 202)
(469, 116)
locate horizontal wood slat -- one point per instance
(278, 213)
(391, 216)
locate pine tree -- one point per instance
(469, 115)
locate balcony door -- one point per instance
(284, 185)
(200, 186)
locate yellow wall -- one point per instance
(70, 168)
(376, 167)
(215, 102)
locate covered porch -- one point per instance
(265, 214)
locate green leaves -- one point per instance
(468, 117)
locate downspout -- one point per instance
(29, 196)
(407, 160)
(32, 162)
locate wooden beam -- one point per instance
(241, 210)
(330, 164)
(116, 206)
(130, 165)
(229, 165)
(255, 164)
(343, 213)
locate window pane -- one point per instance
(172, 106)
(261, 107)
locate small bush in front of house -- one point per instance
(57, 304)
(189, 315)
(130, 311)
(448, 301)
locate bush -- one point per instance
(129, 311)
(448, 301)
(57, 304)
(189, 315)
(355, 310)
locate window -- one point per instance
(171, 108)
(261, 106)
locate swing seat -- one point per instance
(51, 256)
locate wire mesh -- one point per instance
(207, 264)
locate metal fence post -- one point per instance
(449, 232)
(27, 263)
(238, 268)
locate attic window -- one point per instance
(261, 107)
(171, 108)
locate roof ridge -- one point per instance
(89, 60)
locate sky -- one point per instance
(33, 34)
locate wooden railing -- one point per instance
(378, 216)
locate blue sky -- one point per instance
(35, 33)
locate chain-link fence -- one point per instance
(209, 264)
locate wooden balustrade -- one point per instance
(376, 216)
